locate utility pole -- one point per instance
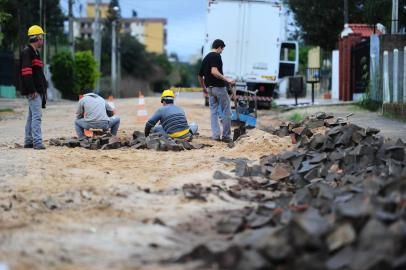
(114, 58)
(114, 52)
(71, 40)
(41, 22)
(97, 42)
(395, 16)
(44, 26)
(118, 66)
(40, 13)
(345, 11)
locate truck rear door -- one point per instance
(261, 37)
(224, 22)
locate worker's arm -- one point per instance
(200, 77)
(216, 73)
(109, 110)
(201, 81)
(80, 111)
(26, 72)
(152, 122)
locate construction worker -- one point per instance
(34, 86)
(213, 81)
(172, 120)
(94, 112)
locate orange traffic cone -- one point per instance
(110, 101)
(142, 115)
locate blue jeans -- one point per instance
(33, 134)
(159, 129)
(81, 124)
(220, 108)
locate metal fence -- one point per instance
(388, 76)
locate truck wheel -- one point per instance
(265, 105)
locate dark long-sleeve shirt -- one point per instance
(32, 73)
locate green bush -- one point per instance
(367, 103)
(85, 71)
(159, 86)
(296, 117)
(63, 74)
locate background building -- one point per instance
(149, 31)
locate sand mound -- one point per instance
(262, 142)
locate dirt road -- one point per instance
(117, 209)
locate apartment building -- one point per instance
(149, 31)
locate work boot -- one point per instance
(227, 140)
(39, 147)
(28, 145)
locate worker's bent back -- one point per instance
(93, 108)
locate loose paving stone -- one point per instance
(343, 235)
(230, 225)
(155, 142)
(50, 203)
(218, 175)
(336, 201)
(341, 260)
(280, 171)
(194, 192)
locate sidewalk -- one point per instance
(307, 102)
(11, 103)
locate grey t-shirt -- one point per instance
(92, 108)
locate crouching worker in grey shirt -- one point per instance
(172, 120)
(94, 112)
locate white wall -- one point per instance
(335, 75)
(137, 31)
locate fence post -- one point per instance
(404, 74)
(395, 75)
(386, 94)
(373, 78)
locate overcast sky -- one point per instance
(186, 20)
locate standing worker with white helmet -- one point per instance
(173, 122)
(34, 86)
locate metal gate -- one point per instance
(360, 61)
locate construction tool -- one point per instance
(242, 111)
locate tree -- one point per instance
(3, 15)
(322, 21)
(113, 14)
(84, 44)
(3, 18)
(85, 71)
(107, 35)
(135, 61)
(63, 74)
(26, 13)
(162, 61)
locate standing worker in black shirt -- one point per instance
(213, 81)
(34, 86)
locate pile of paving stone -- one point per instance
(340, 204)
(154, 141)
(303, 130)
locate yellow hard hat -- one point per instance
(35, 30)
(167, 93)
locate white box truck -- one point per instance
(257, 55)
